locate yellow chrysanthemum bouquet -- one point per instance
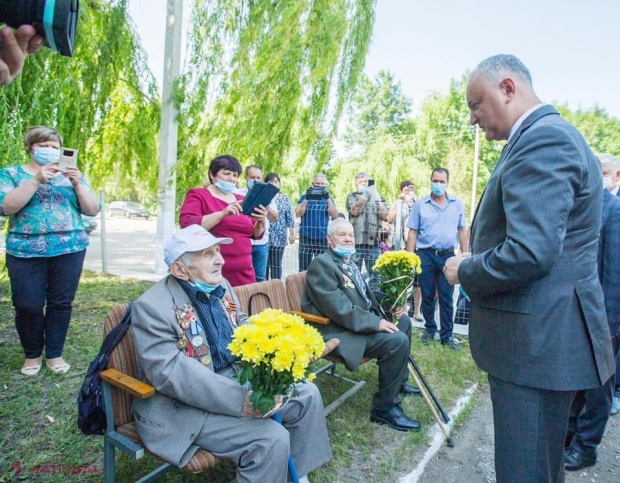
(397, 270)
(275, 350)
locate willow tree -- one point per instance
(101, 101)
(267, 81)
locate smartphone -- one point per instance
(68, 159)
(371, 182)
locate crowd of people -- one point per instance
(542, 283)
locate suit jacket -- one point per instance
(609, 259)
(537, 315)
(331, 291)
(187, 390)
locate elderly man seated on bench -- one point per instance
(335, 289)
(181, 329)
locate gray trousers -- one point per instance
(260, 447)
(530, 428)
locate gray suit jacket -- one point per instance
(332, 292)
(537, 315)
(187, 390)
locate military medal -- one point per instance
(197, 341)
(182, 344)
(206, 360)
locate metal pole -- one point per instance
(166, 190)
(472, 209)
(104, 248)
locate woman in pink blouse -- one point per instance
(218, 209)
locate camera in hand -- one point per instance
(55, 20)
(317, 193)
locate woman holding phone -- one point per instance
(45, 245)
(217, 208)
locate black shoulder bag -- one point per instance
(91, 415)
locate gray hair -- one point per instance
(361, 175)
(494, 68)
(320, 175)
(333, 226)
(609, 160)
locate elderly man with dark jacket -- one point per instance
(589, 412)
(335, 289)
(181, 329)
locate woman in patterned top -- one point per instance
(45, 245)
(278, 237)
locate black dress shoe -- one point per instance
(427, 337)
(451, 343)
(395, 418)
(575, 460)
(409, 390)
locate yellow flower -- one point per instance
(397, 269)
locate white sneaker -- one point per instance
(615, 405)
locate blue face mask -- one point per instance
(251, 183)
(438, 189)
(225, 187)
(362, 188)
(203, 287)
(344, 252)
(45, 156)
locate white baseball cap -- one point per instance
(192, 238)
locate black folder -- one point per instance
(260, 194)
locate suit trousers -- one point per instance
(530, 429)
(392, 354)
(260, 447)
(589, 414)
(432, 279)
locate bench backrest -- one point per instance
(256, 297)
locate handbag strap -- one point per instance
(250, 311)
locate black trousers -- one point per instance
(530, 429)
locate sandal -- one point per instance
(30, 370)
(59, 369)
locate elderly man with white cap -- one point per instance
(181, 329)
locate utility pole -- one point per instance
(168, 136)
(475, 179)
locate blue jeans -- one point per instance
(433, 280)
(308, 249)
(43, 289)
(260, 254)
(274, 263)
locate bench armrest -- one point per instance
(127, 383)
(316, 319)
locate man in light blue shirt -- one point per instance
(434, 223)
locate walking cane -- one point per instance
(423, 391)
(444, 415)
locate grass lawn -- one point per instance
(38, 415)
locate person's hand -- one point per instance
(232, 209)
(370, 193)
(387, 326)
(291, 239)
(400, 311)
(46, 173)
(249, 412)
(260, 213)
(14, 47)
(74, 175)
(325, 194)
(451, 269)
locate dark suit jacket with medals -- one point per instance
(332, 292)
(537, 314)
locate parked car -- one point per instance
(90, 223)
(128, 209)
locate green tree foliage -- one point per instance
(378, 108)
(267, 81)
(601, 131)
(103, 101)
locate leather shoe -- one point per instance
(575, 460)
(427, 337)
(395, 418)
(408, 390)
(451, 343)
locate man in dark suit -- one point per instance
(537, 318)
(335, 289)
(589, 411)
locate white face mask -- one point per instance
(607, 182)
